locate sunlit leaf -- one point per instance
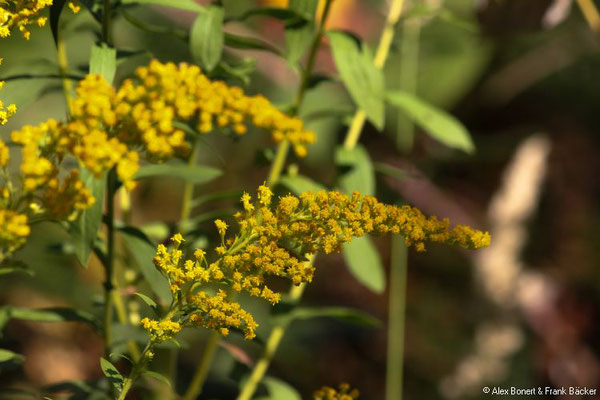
(365, 83)
(361, 176)
(436, 122)
(279, 390)
(299, 184)
(143, 253)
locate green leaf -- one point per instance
(343, 314)
(279, 390)
(143, 252)
(298, 37)
(151, 303)
(103, 61)
(188, 5)
(158, 377)
(84, 230)
(364, 263)
(364, 82)
(197, 174)
(207, 37)
(437, 123)
(290, 17)
(361, 176)
(249, 43)
(53, 314)
(7, 356)
(111, 373)
(391, 171)
(299, 184)
(16, 393)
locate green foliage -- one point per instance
(365, 83)
(84, 230)
(299, 36)
(437, 123)
(279, 390)
(143, 250)
(187, 5)
(112, 373)
(207, 37)
(364, 262)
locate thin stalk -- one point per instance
(106, 23)
(409, 68)
(201, 373)
(261, 367)
(63, 66)
(284, 147)
(383, 50)
(109, 286)
(396, 319)
(590, 13)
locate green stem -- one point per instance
(261, 367)
(396, 319)
(284, 146)
(106, 11)
(408, 76)
(201, 373)
(383, 50)
(109, 287)
(135, 372)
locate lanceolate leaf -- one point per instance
(207, 37)
(364, 82)
(299, 36)
(249, 43)
(7, 355)
(347, 315)
(437, 123)
(197, 174)
(143, 252)
(54, 314)
(84, 230)
(112, 373)
(188, 5)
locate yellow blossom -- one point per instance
(14, 230)
(344, 392)
(161, 331)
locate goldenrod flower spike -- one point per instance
(275, 239)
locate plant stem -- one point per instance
(590, 13)
(284, 146)
(261, 367)
(350, 142)
(128, 382)
(63, 66)
(106, 11)
(195, 387)
(109, 286)
(383, 50)
(396, 319)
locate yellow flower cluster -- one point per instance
(13, 232)
(344, 392)
(276, 239)
(161, 331)
(19, 14)
(218, 313)
(212, 312)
